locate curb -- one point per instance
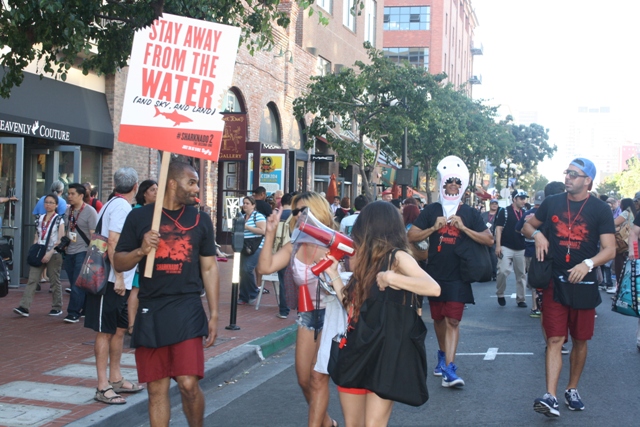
(216, 370)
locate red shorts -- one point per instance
(358, 391)
(442, 309)
(183, 358)
(559, 320)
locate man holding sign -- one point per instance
(171, 321)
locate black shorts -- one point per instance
(105, 313)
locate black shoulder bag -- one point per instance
(251, 244)
(38, 251)
(384, 350)
(475, 261)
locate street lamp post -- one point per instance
(404, 160)
(509, 168)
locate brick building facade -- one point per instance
(440, 32)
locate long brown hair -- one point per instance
(378, 230)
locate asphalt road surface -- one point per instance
(500, 357)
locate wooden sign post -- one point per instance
(157, 209)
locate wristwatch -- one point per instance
(589, 264)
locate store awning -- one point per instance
(49, 109)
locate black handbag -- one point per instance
(540, 272)
(4, 279)
(475, 261)
(38, 251)
(251, 244)
(384, 350)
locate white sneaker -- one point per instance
(611, 290)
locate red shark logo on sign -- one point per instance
(174, 116)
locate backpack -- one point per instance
(283, 234)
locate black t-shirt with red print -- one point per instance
(574, 229)
(176, 269)
(443, 263)
(510, 238)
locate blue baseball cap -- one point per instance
(493, 201)
(586, 166)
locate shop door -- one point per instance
(42, 167)
(11, 161)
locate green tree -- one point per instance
(609, 186)
(356, 110)
(454, 124)
(56, 32)
(531, 145)
(532, 181)
(628, 181)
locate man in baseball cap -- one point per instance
(510, 249)
(386, 195)
(488, 218)
(587, 167)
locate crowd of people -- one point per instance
(400, 245)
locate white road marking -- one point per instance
(492, 352)
(512, 296)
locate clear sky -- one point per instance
(551, 56)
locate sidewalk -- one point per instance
(47, 371)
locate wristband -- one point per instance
(334, 279)
(534, 234)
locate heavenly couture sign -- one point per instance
(179, 70)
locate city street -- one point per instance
(501, 358)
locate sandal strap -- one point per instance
(105, 390)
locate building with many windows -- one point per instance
(434, 34)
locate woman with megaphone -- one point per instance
(299, 256)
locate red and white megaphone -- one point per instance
(310, 230)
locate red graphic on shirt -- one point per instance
(448, 234)
(578, 233)
(175, 247)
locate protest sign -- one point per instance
(179, 70)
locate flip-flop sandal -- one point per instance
(265, 291)
(118, 387)
(100, 397)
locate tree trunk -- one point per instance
(427, 170)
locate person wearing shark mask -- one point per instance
(447, 223)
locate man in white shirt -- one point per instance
(107, 314)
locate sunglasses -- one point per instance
(298, 210)
(454, 180)
(574, 174)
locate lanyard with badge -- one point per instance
(73, 221)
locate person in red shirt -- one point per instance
(91, 198)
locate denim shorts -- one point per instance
(306, 320)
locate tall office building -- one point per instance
(434, 34)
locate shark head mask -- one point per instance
(451, 168)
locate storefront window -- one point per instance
(41, 170)
(301, 183)
(7, 182)
(91, 167)
(65, 170)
